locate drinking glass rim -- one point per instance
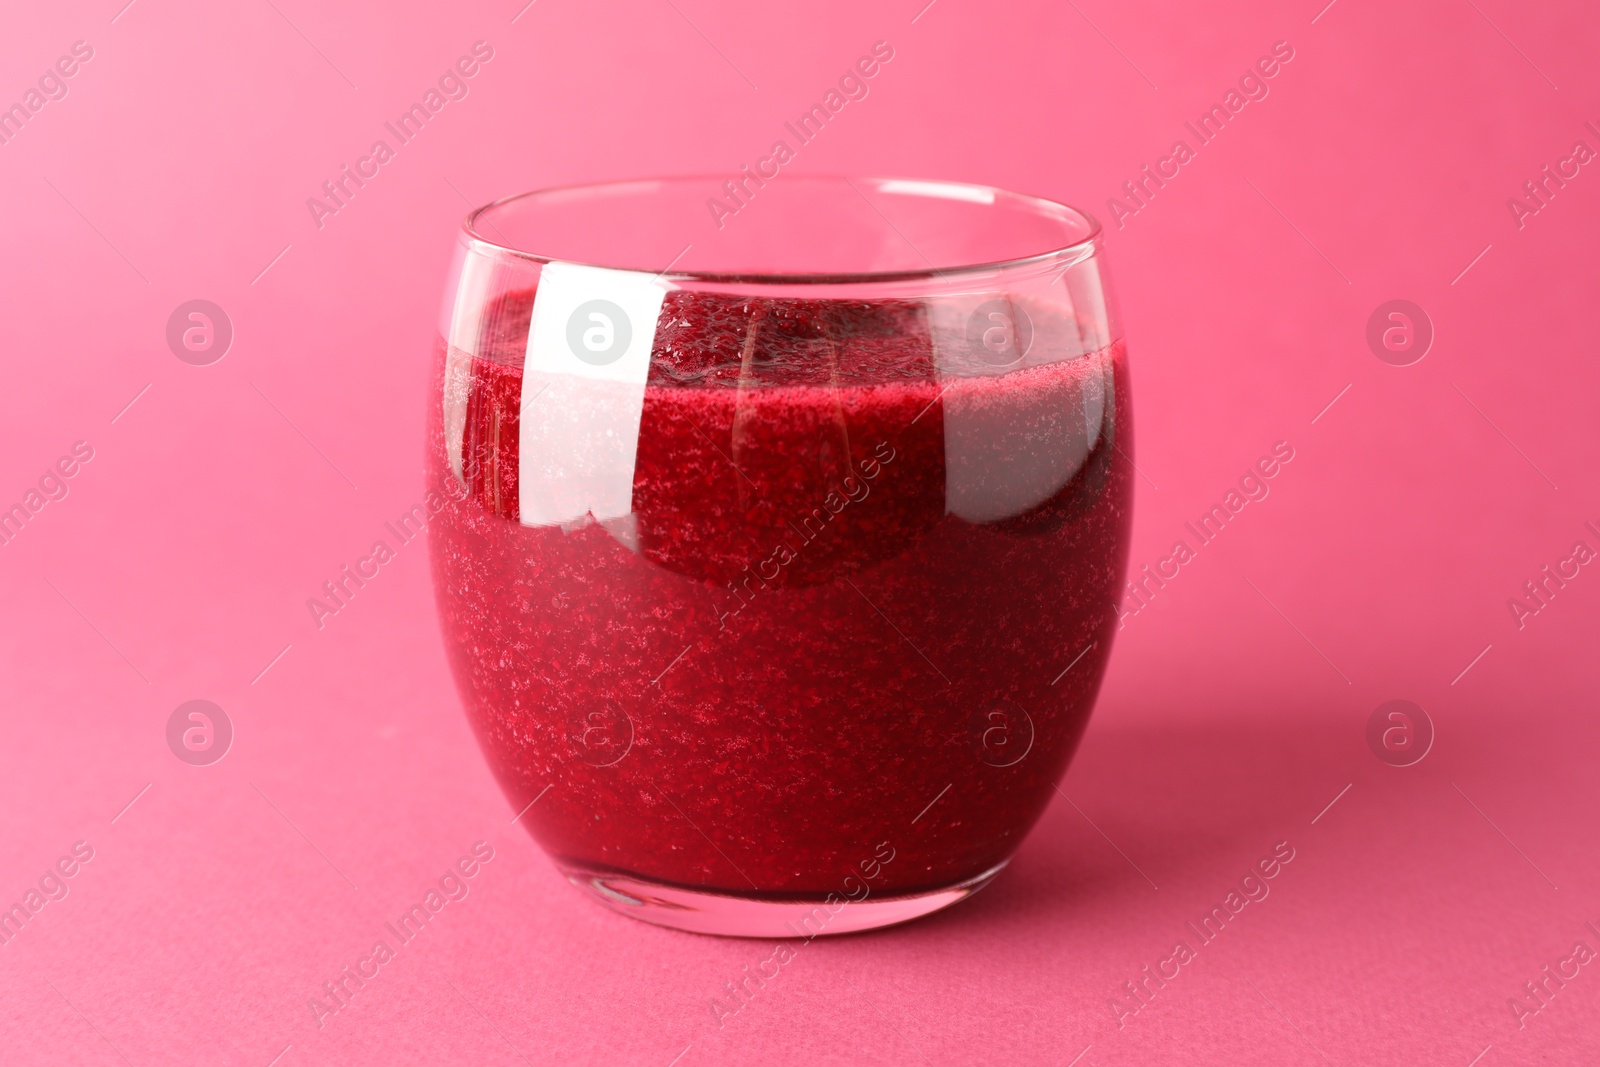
(1044, 206)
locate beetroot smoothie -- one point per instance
(839, 620)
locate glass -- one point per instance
(780, 524)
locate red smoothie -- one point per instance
(842, 613)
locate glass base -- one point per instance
(727, 915)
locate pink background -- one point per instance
(179, 564)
